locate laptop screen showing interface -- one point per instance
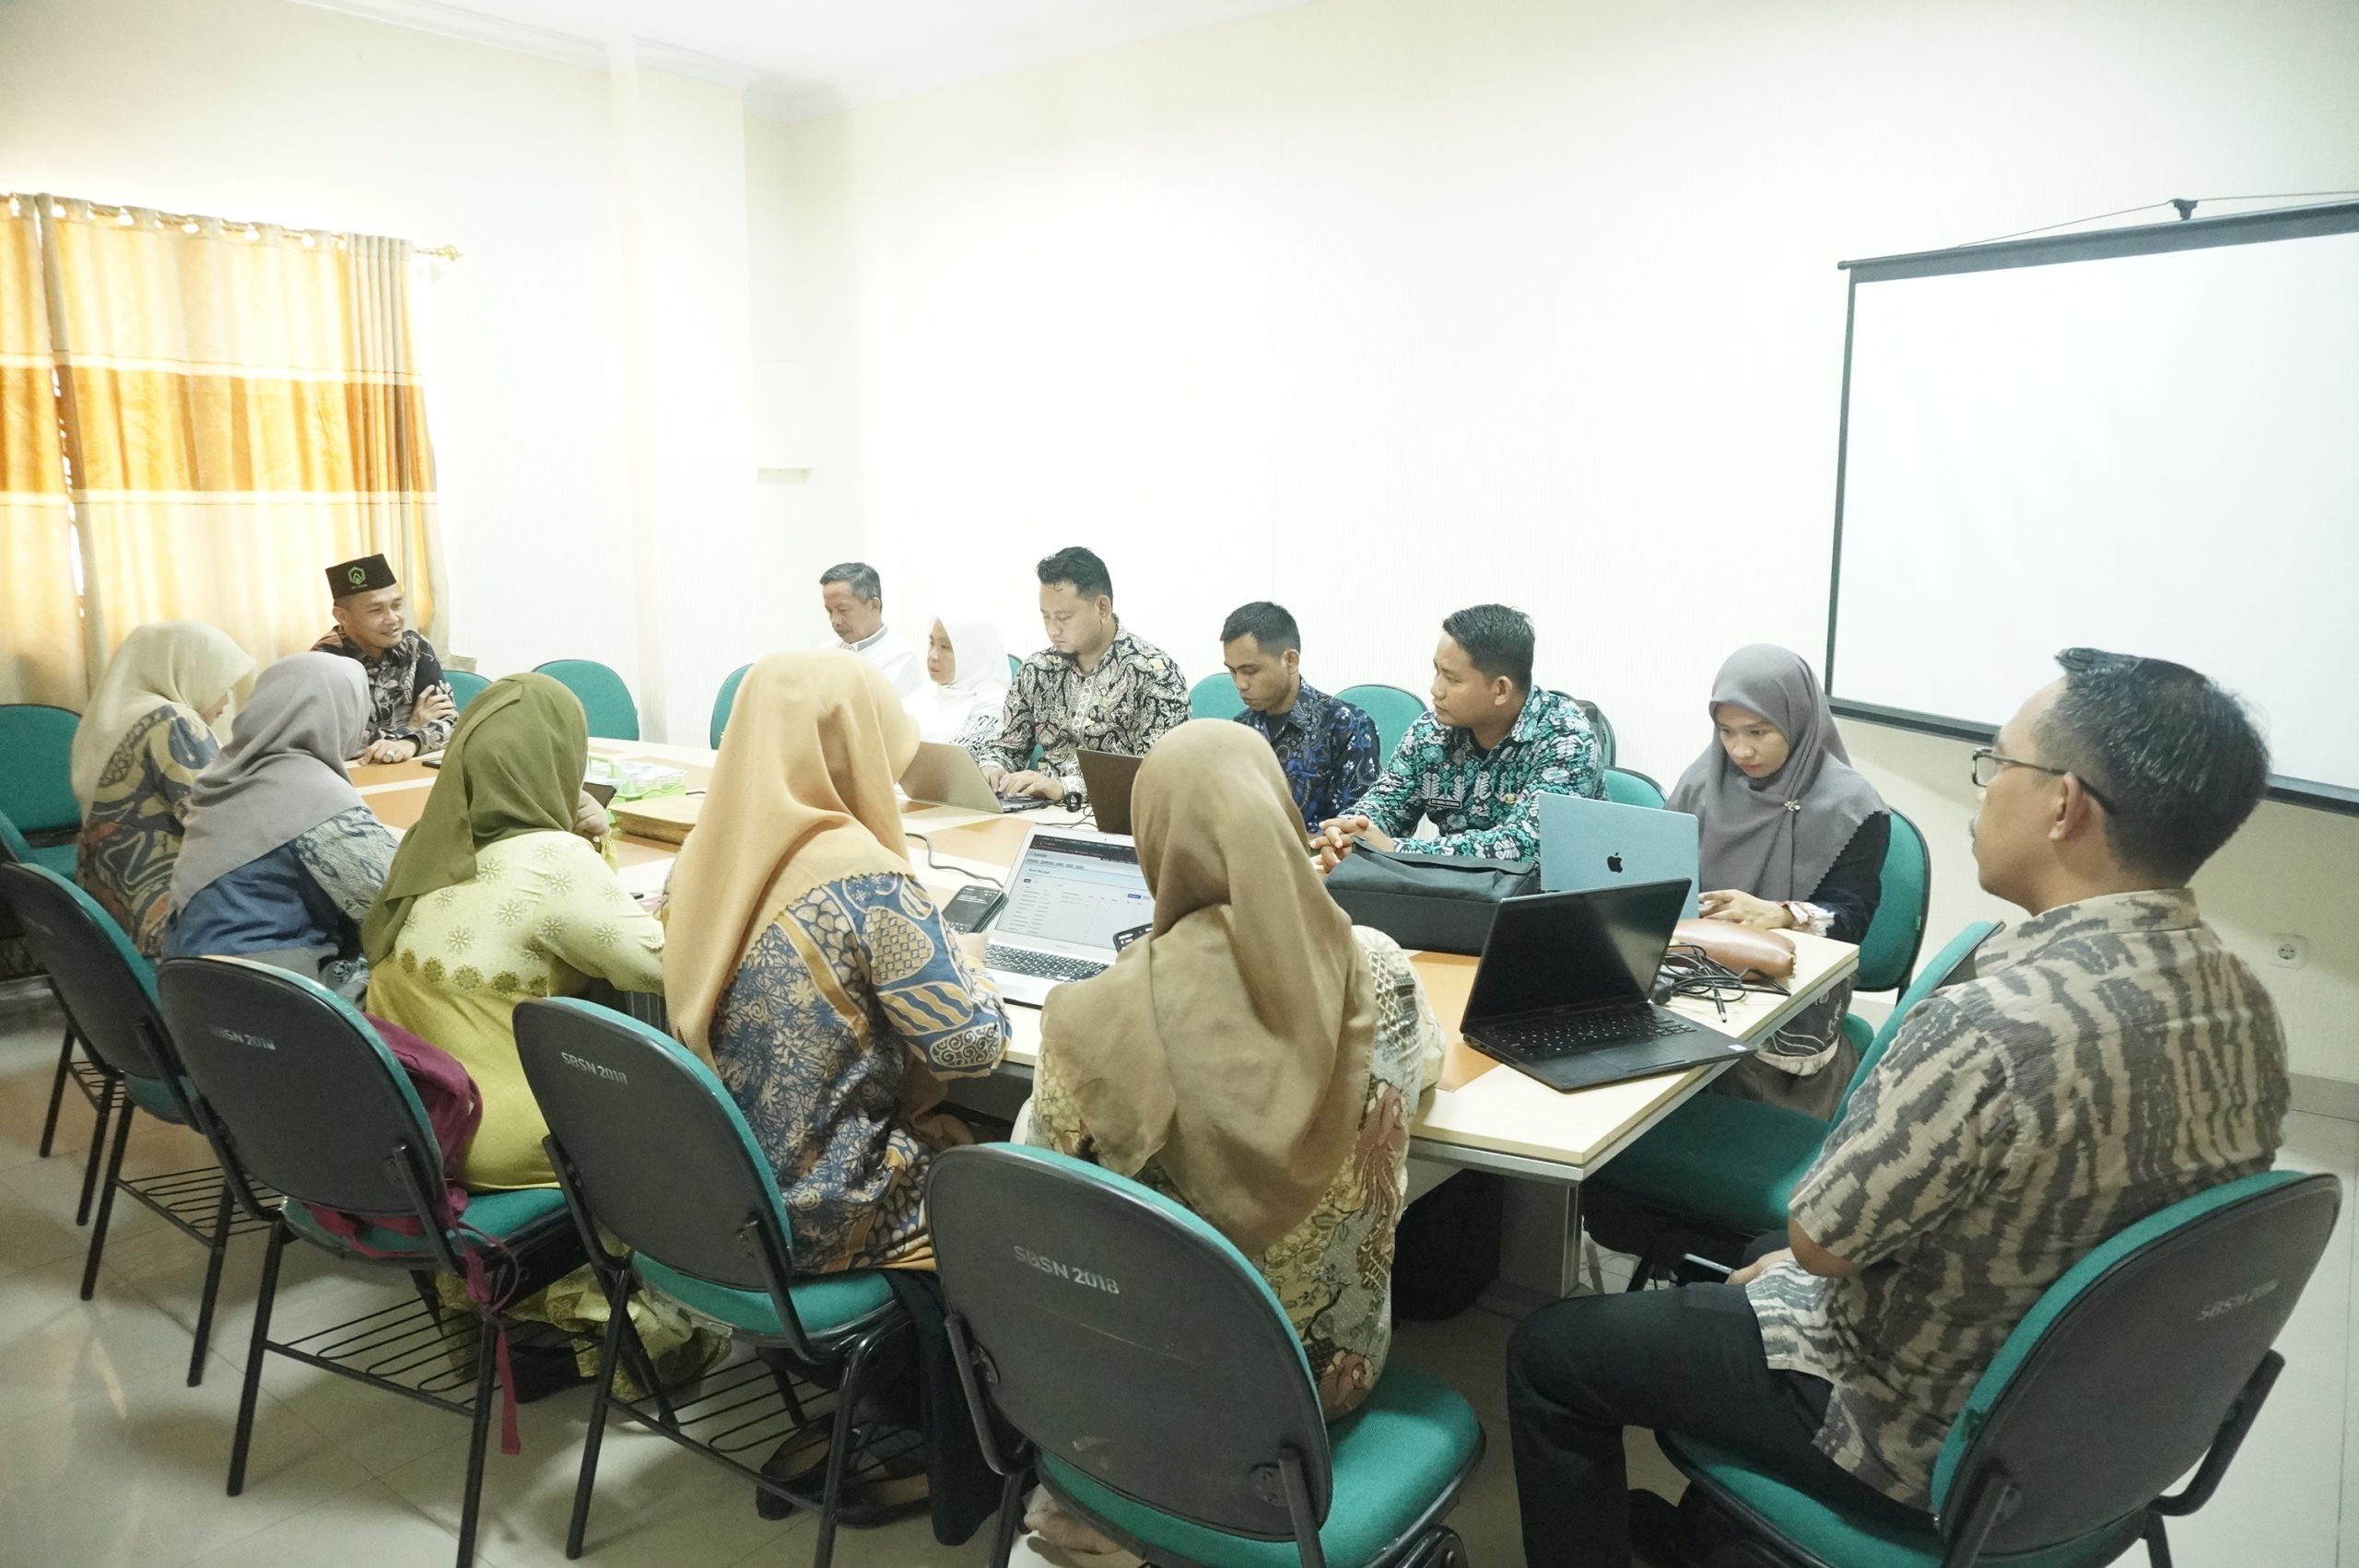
(1074, 894)
(1555, 950)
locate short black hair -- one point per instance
(1267, 623)
(1080, 568)
(865, 583)
(1498, 641)
(2177, 759)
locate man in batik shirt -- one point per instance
(410, 709)
(1095, 687)
(1326, 746)
(1477, 765)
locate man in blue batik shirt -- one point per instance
(1326, 747)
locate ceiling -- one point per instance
(796, 59)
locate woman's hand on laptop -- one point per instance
(1745, 909)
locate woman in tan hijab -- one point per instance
(1256, 1056)
(804, 960)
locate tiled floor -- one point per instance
(107, 1459)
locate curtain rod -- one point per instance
(16, 199)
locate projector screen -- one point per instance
(2145, 440)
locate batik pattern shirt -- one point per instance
(1326, 748)
(1332, 1272)
(2109, 1059)
(397, 678)
(542, 916)
(133, 823)
(1135, 697)
(1484, 802)
(308, 896)
(849, 1007)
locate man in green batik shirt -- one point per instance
(1478, 763)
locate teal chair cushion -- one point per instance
(36, 778)
(824, 1302)
(1729, 1161)
(465, 686)
(1392, 1457)
(1627, 787)
(151, 1095)
(1215, 697)
(59, 857)
(724, 702)
(1392, 709)
(1851, 1540)
(613, 715)
(498, 1215)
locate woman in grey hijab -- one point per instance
(282, 859)
(1792, 838)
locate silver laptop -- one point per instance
(1070, 895)
(949, 775)
(1587, 844)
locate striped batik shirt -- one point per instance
(2109, 1059)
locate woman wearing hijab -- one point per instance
(965, 683)
(495, 898)
(1255, 1057)
(807, 964)
(281, 859)
(147, 734)
(1792, 838)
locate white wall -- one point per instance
(1382, 307)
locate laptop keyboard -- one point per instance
(1546, 1039)
(1046, 966)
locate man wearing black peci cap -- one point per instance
(411, 710)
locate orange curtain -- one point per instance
(41, 654)
(242, 409)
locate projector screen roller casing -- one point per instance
(2145, 440)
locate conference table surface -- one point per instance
(1482, 1114)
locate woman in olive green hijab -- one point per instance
(494, 897)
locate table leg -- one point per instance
(1539, 1246)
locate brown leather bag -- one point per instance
(1739, 947)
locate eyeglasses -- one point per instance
(1989, 763)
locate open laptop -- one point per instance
(1107, 777)
(948, 776)
(1586, 844)
(1560, 993)
(1070, 895)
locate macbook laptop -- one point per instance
(1107, 777)
(1586, 844)
(948, 776)
(1560, 993)
(1070, 895)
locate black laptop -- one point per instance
(1108, 777)
(1561, 991)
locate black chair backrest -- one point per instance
(108, 989)
(299, 1085)
(1127, 1336)
(1600, 728)
(665, 1160)
(2115, 1383)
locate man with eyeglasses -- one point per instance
(2109, 1058)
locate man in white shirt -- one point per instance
(855, 604)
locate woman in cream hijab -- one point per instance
(136, 753)
(1256, 1056)
(805, 962)
(965, 691)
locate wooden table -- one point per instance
(1483, 1115)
